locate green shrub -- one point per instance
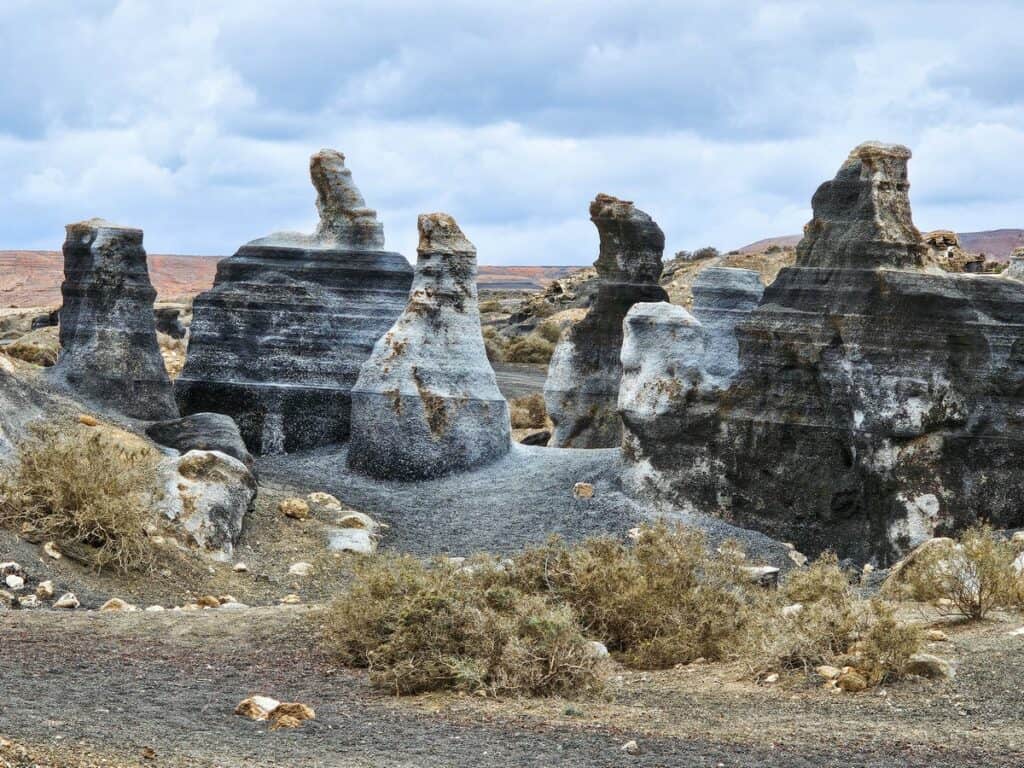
(529, 349)
(90, 494)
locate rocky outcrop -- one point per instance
(584, 374)
(1015, 268)
(874, 404)
(109, 351)
(427, 403)
(209, 495)
(278, 341)
(945, 252)
(201, 432)
(722, 298)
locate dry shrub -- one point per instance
(40, 347)
(490, 306)
(495, 345)
(529, 349)
(549, 331)
(529, 411)
(79, 487)
(661, 601)
(836, 627)
(975, 577)
(420, 628)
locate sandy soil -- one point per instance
(89, 689)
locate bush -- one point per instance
(529, 349)
(549, 331)
(79, 487)
(707, 252)
(495, 345)
(659, 602)
(420, 628)
(528, 412)
(835, 627)
(491, 306)
(974, 576)
(40, 347)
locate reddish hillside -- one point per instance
(33, 278)
(997, 244)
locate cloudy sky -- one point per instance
(194, 120)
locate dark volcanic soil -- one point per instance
(90, 689)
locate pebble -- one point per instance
(86, 420)
(50, 549)
(297, 509)
(290, 600)
(155, 609)
(67, 601)
(14, 582)
(240, 568)
(630, 747)
(117, 605)
(936, 636)
(301, 569)
(583, 491)
(44, 590)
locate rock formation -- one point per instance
(109, 351)
(583, 377)
(1015, 269)
(201, 432)
(945, 252)
(722, 298)
(873, 405)
(427, 403)
(278, 341)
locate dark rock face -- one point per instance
(109, 351)
(278, 341)
(168, 320)
(873, 404)
(48, 320)
(201, 432)
(427, 403)
(583, 377)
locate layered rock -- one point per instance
(278, 341)
(427, 403)
(583, 378)
(109, 351)
(873, 405)
(722, 298)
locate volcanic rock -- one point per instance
(278, 341)
(209, 494)
(944, 251)
(583, 377)
(109, 352)
(722, 298)
(427, 402)
(873, 402)
(168, 320)
(202, 432)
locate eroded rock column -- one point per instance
(583, 378)
(427, 403)
(109, 350)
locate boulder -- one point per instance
(872, 403)
(427, 402)
(926, 665)
(168, 321)
(278, 341)
(209, 494)
(109, 352)
(584, 374)
(202, 432)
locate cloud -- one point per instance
(195, 120)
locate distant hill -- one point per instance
(33, 278)
(997, 244)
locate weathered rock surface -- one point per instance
(209, 494)
(945, 252)
(722, 298)
(202, 432)
(583, 378)
(427, 403)
(874, 404)
(109, 351)
(278, 341)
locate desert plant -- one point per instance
(971, 578)
(84, 490)
(660, 601)
(529, 349)
(549, 331)
(707, 252)
(495, 345)
(40, 347)
(490, 306)
(528, 411)
(420, 627)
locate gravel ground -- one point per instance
(519, 500)
(112, 686)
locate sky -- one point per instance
(195, 120)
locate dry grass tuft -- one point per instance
(529, 349)
(972, 578)
(82, 489)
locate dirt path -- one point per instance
(88, 689)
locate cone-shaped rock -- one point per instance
(583, 378)
(109, 350)
(873, 404)
(278, 341)
(427, 402)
